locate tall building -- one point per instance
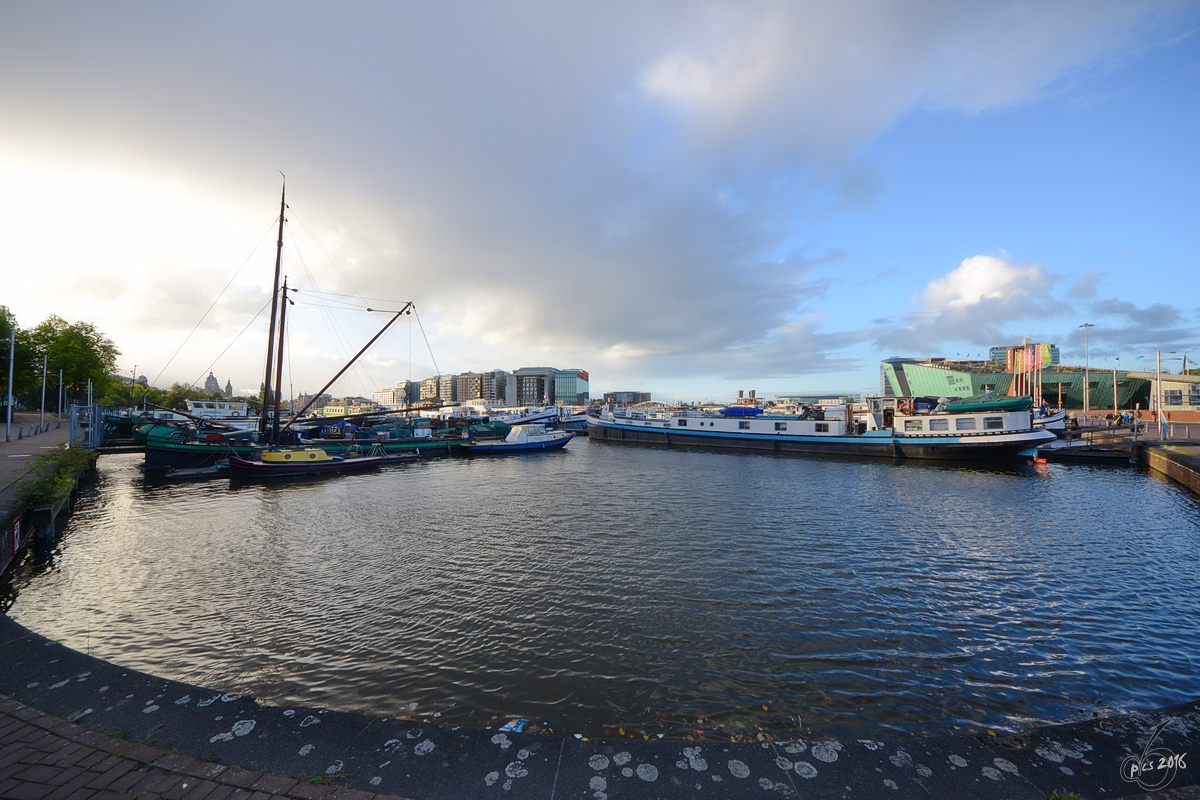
(400, 396)
(468, 386)
(535, 385)
(211, 384)
(429, 388)
(229, 388)
(626, 398)
(447, 389)
(571, 387)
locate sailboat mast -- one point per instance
(283, 304)
(262, 419)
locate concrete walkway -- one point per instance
(15, 454)
(125, 722)
(43, 756)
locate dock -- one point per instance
(1179, 462)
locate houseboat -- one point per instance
(983, 428)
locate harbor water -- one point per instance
(619, 590)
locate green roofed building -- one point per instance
(910, 377)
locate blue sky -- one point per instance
(759, 195)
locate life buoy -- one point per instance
(235, 414)
(903, 408)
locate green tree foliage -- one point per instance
(78, 349)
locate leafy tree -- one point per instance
(25, 373)
(80, 350)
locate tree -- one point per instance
(25, 374)
(80, 350)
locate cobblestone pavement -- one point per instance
(42, 756)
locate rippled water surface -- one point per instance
(609, 588)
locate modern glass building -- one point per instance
(571, 387)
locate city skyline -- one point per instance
(763, 195)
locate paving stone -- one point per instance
(66, 775)
(111, 774)
(144, 753)
(203, 769)
(273, 784)
(342, 793)
(198, 790)
(173, 762)
(311, 791)
(29, 791)
(239, 777)
(40, 773)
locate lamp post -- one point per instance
(42, 411)
(1086, 365)
(12, 350)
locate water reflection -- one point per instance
(607, 588)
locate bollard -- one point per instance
(20, 432)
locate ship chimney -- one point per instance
(740, 394)
(751, 394)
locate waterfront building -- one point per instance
(447, 389)
(939, 377)
(468, 386)
(535, 386)
(319, 403)
(626, 398)
(571, 387)
(347, 406)
(400, 396)
(1180, 395)
(429, 388)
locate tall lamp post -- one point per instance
(42, 412)
(1086, 365)
(12, 349)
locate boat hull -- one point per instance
(501, 448)
(245, 468)
(162, 454)
(1006, 446)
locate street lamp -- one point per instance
(1086, 364)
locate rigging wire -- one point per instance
(226, 350)
(337, 335)
(418, 316)
(214, 302)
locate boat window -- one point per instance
(914, 425)
(781, 426)
(822, 427)
(744, 424)
(939, 424)
(964, 424)
(993, 423)
(683, 423)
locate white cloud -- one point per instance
(974, 303)
(622, 185)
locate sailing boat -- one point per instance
(204, 444)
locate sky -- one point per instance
(685, 199)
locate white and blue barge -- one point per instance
(983, 435)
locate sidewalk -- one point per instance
(43, 756)
(15, 454)
(141, 735)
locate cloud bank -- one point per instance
(624, 187)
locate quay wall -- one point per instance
(1180, 463)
